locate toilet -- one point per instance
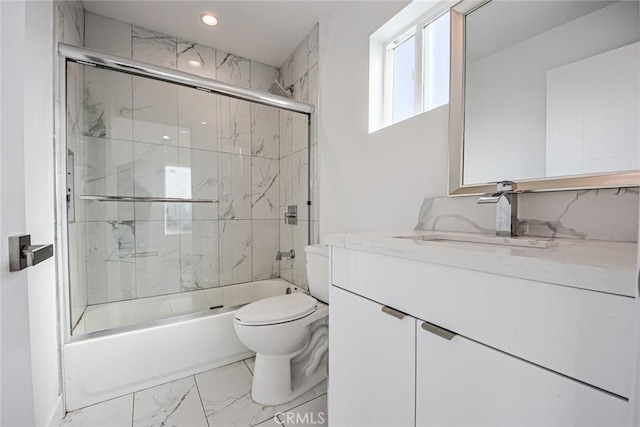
(290, 335)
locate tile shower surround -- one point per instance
(232, 148)
(300, 70)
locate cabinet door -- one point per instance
(371, 363)
(461, 383)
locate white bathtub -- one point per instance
(103, 365)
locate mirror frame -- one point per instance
(456, 185)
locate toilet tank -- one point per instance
(317, 259)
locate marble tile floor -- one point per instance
(219, 397)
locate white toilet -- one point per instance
(289, 334)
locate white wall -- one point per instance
(376, 182)
(370, 181)
(30, 359)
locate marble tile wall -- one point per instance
(609, 214)
(69, 22)
(298, 159)
(69, 28)
(149, 138)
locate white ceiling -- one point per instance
(265, 31)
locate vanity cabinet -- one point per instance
(472, 348)
(460, 382)
(373, 374)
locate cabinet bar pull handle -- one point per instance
(437, 330)
(394, 313)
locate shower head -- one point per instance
(277, 89)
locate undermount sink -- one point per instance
(518, 242)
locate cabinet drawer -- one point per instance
(582, 334)
(463, 383)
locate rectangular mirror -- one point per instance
(544, 93)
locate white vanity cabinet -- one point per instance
(460, 382)
(373, 374)
(472, 348)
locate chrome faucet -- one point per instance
(506, 200)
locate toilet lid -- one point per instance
(278, 309)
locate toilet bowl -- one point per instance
(289, 334)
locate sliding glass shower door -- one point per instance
(171, 190)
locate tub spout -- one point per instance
(289, 254)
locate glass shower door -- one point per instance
(237, 165)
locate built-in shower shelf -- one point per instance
(144, 199)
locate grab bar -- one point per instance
(144, 199)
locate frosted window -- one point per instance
(404, 58)
(436, 43)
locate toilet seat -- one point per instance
(280, 309)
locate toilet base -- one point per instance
(272, 383)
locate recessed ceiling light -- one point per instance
(209, 19)
(194, 64)
(203, 123)
(165, 137)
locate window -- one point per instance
(417, 69)
(402, 61)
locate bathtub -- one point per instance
(119, 348)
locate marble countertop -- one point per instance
(595, 265)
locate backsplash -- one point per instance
(608, 214)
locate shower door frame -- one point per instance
(68, 53)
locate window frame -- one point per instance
(416, 28)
